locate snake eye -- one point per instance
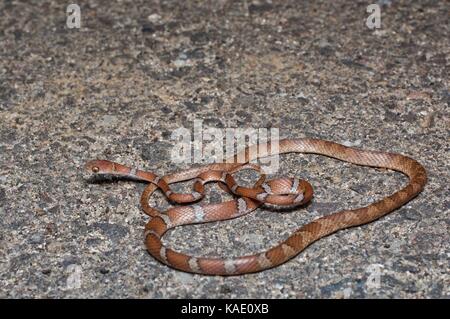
(95, 169)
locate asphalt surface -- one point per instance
(135, 71)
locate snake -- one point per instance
(289, 192)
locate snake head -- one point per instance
(100, 167)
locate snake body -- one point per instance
(281, 191)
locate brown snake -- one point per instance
(281, 191)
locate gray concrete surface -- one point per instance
(135, 71)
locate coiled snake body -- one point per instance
(281, 191)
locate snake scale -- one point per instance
(281, 191)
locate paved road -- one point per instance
(119, 86)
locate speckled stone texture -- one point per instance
(135, 71)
